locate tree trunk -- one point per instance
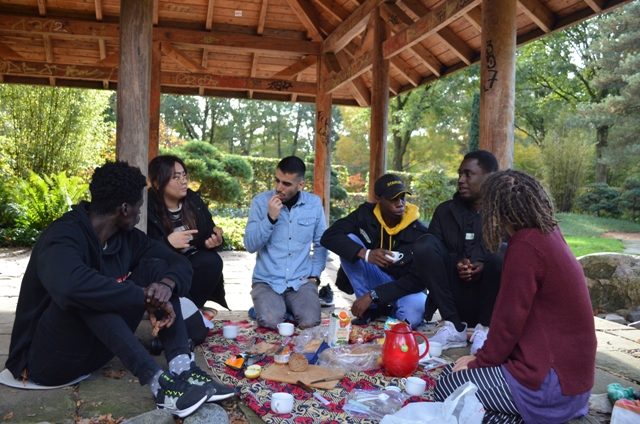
(601, 168)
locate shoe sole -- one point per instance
(185, 412)
(454, 345)
(215, 398)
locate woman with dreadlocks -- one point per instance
(538, 362)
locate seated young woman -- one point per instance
(178, 217)
(538, 362)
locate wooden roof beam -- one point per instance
(538, 13)
(102, 46)
(474, 16)
(456, 45)
(294, 96)
(596, 5)
(357, 87)
(42, 7)
(98, 4)
(197, 80)
(155, 18)
(48, 52)
(309, 16)
(112, 60)
(406, 71)
(254, 70)
(331, 7)
(209, 21)
(36, 69)
(437, 18)
(263, 16)
(356, 68)
(351, 27)
(290, 72)
(399, 20)
(366, 42)
(179, 57)
(7, 52)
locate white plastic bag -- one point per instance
(626, 412)
(462, 407)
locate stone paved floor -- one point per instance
(618, 355)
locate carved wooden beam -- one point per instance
(351, 27)
(179, 57)
(71, 28)
(263, 16)
(290, 72)
(98, 4)
(7, 52)
(237, 83)
(399, 20)
(356, 68)
(34, 69)
(309, 17)
(538, 13)
(209, 22)
(438, 18)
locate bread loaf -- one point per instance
(298, 362)
(312, 346)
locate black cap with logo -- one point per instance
(389, 186)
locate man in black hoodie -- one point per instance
(89, 280)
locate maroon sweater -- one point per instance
(542, 317)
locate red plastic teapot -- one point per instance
(400, 353)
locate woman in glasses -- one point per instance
(178, 217)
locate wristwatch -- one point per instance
(374, 296)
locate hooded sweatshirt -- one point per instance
(69, 266)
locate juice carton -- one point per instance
(339, 329)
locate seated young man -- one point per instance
(89, 280)
(365, 239)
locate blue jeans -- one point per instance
(365, 277)
(72, 343)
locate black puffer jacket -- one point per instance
(363, 223)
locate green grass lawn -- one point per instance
(583, 232)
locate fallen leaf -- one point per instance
(115, 374)
(8, 416)
(31, 415)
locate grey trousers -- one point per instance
(271, 308)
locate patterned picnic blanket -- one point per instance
(256, 393)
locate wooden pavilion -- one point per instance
(341, 52)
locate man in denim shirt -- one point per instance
(283, 223)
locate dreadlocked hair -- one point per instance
(113, 184)
(514, 198)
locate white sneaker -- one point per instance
(478, 337)
(449, 337)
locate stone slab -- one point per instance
(628, 333)
(619, 363)
(35, 406)
(611, 341)
(604, 378)
(603, 324)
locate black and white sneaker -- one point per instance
(196, 377)
(326, 295)
(178, 396)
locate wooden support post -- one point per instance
(154, 103)
(379, 104)
(322, 161)
(498, 79)
(134, 81)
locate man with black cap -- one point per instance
(375, 245)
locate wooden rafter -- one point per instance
(309, 16)
(263, 16)
(406, 71)
(596, 5)
(399, 20)
(357, 87)
(7, 52)
(351, 27)
(209, 23)
(182, 59)
(102, 47)
(445, 35)
(538, 13)
(48, 52)
(290, 72)
(111, 60)
(36, 69)
(332, 62)
(366, 42)
(474, 16)
(205, 58)
(437, 18)
(42, 7)
(331, 7)
(294, 96)
(98, 4)
(155, 12)
(355, 68)
(254, 70)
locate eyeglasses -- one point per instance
(180, 176)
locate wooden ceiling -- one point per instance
(263, 49)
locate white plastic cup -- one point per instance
(396, 256)
(435, 349)
(394, 389)
(414, 386)
(281, 403)
(285, 328)
(230, 331)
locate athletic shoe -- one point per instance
(196, 377)
(478, 338)
(252, 314)
(449, 337)
(179, 397)
(326, 295)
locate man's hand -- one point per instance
(181, 239)
(468, 271)
(377, 257)
(274, 206)
(215, 240)
(169, 316)
(157, 295)
(463, 363)
(361, 304)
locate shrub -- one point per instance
(233, 232)
(629, 200)
(430, 188)
(600, 200)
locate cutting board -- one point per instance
(283, 374)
